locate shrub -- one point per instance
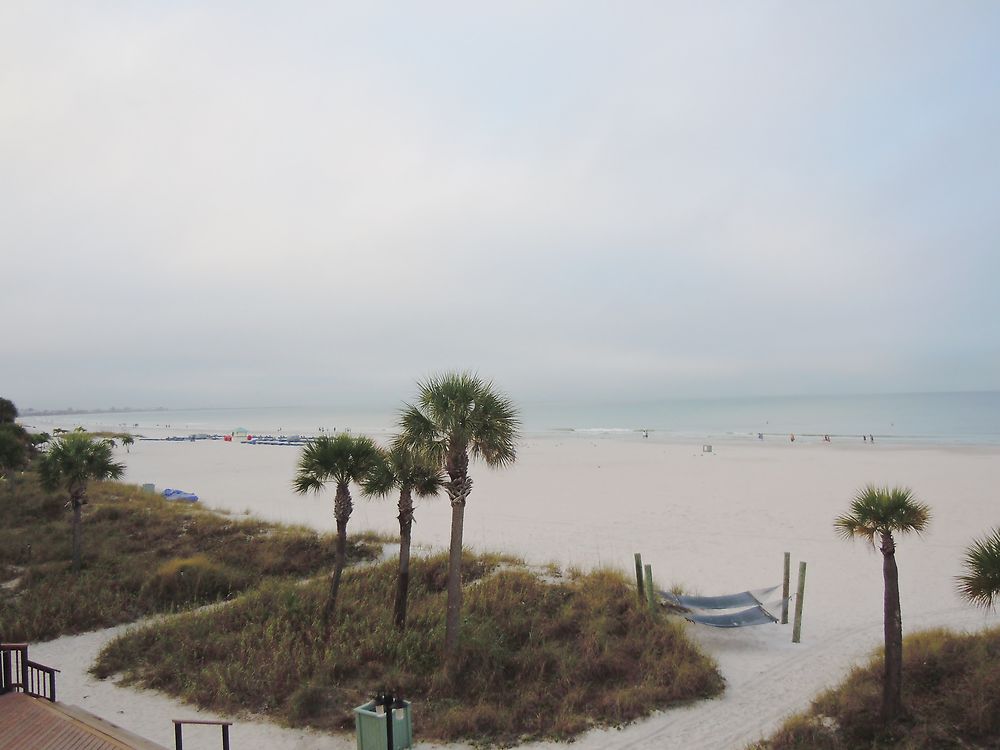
(188, 580)
(951, 697)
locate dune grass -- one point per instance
(141, 555)
(537, 660)
(951, 699)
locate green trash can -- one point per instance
(371, 728)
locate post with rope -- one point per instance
(797, 627)
(784, 588)
(638, 577)
(650, 597)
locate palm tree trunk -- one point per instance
(342, 508)
(77, 504)
(453, 619)
(892, 686)
(403, 580)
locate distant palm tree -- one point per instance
(128, 441)
(412, 473)
(72, 462)
(981, 582)
(342, 459)
(14, 444)
(8, 411)
(458, 415)
(876, 513)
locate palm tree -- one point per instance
(342, 459)
(981, 583)
(14, 443)
(128, 441)
(412, 474)
(458, 415)
(72, 462)
(876, 513)
(8, 411)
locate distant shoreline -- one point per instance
(75, 412)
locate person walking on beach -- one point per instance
(792, 437)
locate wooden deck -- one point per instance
(28, 723)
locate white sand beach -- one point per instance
(714, 522)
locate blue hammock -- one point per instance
(741, 619)
(729, 601)
(706, 610)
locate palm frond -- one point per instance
(75, 459)
(382, 478)
(876, 510)
(343, 458)
(460, 412)
(980, 584)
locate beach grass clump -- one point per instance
(951, 699)
(536, 660)
(186, 580)
(141, 555)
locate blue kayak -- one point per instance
(181, 495)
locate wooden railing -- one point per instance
(19, 674)
(179, 731)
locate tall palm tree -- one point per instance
(458, 415)
(412, 473)
(981, 582)
(877, 513)
(72, 462)
(342, 459)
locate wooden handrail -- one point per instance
(25, 675)
(179, 734)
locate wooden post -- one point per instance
(638, 577)
(225, 737)
(784, 588)
(6, 683)
(650, 599)
(178, 737)
(797, 626)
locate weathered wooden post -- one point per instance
(797, 626)
(638, 577)
(650, 598)
(784, 588)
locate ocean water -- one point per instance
(965, 418)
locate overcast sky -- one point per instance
(237, 203)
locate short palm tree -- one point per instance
(876, 514)
(411, 473)
(128, 441)
(458, 415)
(72, 462)
(8, 411)
(981, 582)
(14, 444)
(342, 459)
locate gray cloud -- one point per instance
(245, 204)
